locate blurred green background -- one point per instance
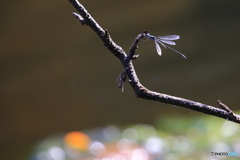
(56, 75)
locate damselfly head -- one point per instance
(144, 34)
(145, 31)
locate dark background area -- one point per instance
(56, 75)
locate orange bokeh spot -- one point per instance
(77, 140)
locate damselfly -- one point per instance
(163, 40)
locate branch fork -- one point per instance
(129, 72)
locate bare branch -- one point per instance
(139, 89)
(134, 47)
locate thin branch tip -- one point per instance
(135, 56)
(228, 110)
(79, 18)
(224, 107)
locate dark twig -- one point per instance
(80, 19)
(129, 70)
(225, 107)
(134, 47)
